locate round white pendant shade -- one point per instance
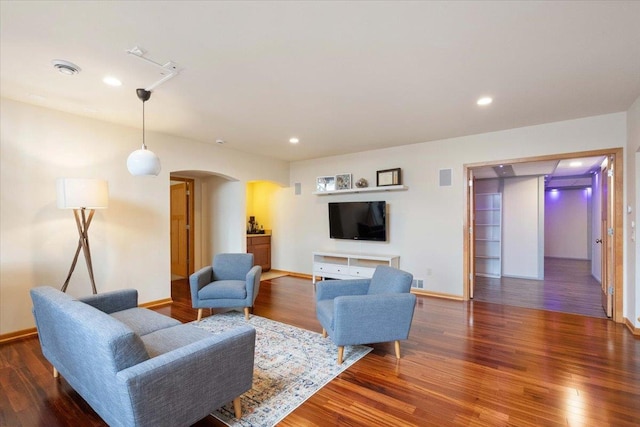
(143, 162)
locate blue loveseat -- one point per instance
(136, 367)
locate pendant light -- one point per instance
(143, 161)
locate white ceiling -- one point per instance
(342, 76)
(564, 173)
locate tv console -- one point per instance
(340, 265)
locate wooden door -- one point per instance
(179, 230)
(607, 237)
(471, 194)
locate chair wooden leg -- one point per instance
(246, 313)
(237, 407)
(340, 354)
(199, 314)
(56, 374)
(397, 346)
(324, 333)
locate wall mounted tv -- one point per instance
(358, 221)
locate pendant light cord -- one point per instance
(143, 95)
(144, 146)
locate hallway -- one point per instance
(568, 287)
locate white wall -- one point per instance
(522, 237)
(631, 243)
(227, 210)
(567, 223)
(129, 240)
(634, 285)
(426, 222)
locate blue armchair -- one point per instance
(363, 311)
(232, 281)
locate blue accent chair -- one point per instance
(363, 311)
(231, 282)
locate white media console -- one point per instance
(339, 265)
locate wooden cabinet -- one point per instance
(488, 234)
(338, 265)
(260, 246)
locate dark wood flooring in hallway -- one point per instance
(568, 287)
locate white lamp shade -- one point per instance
(76, 193)
(143, 162)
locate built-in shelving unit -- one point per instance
(363, 190)
(339, 265)
(488, 234)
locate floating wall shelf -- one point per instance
(363, 190)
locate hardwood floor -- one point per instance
(568, 286)
(464, 364)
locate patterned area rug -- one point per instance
(291, 364)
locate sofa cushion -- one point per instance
(143, 321)
(110, 302)
(75, 335)
(224, 289)
(231, 266)
(389, 280)
(165, 340)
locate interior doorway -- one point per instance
(182, 227)
(612, 258)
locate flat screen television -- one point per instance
(358, 221)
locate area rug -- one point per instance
(291, 364)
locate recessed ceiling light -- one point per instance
(486, 100)
(294, 140)
(65, 67)
(112, 81)
(575, 164)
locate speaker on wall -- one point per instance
(445, 177)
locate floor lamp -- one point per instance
(82, 195)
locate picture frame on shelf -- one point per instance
(343, 181)
(388, 177)
(326, 183)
